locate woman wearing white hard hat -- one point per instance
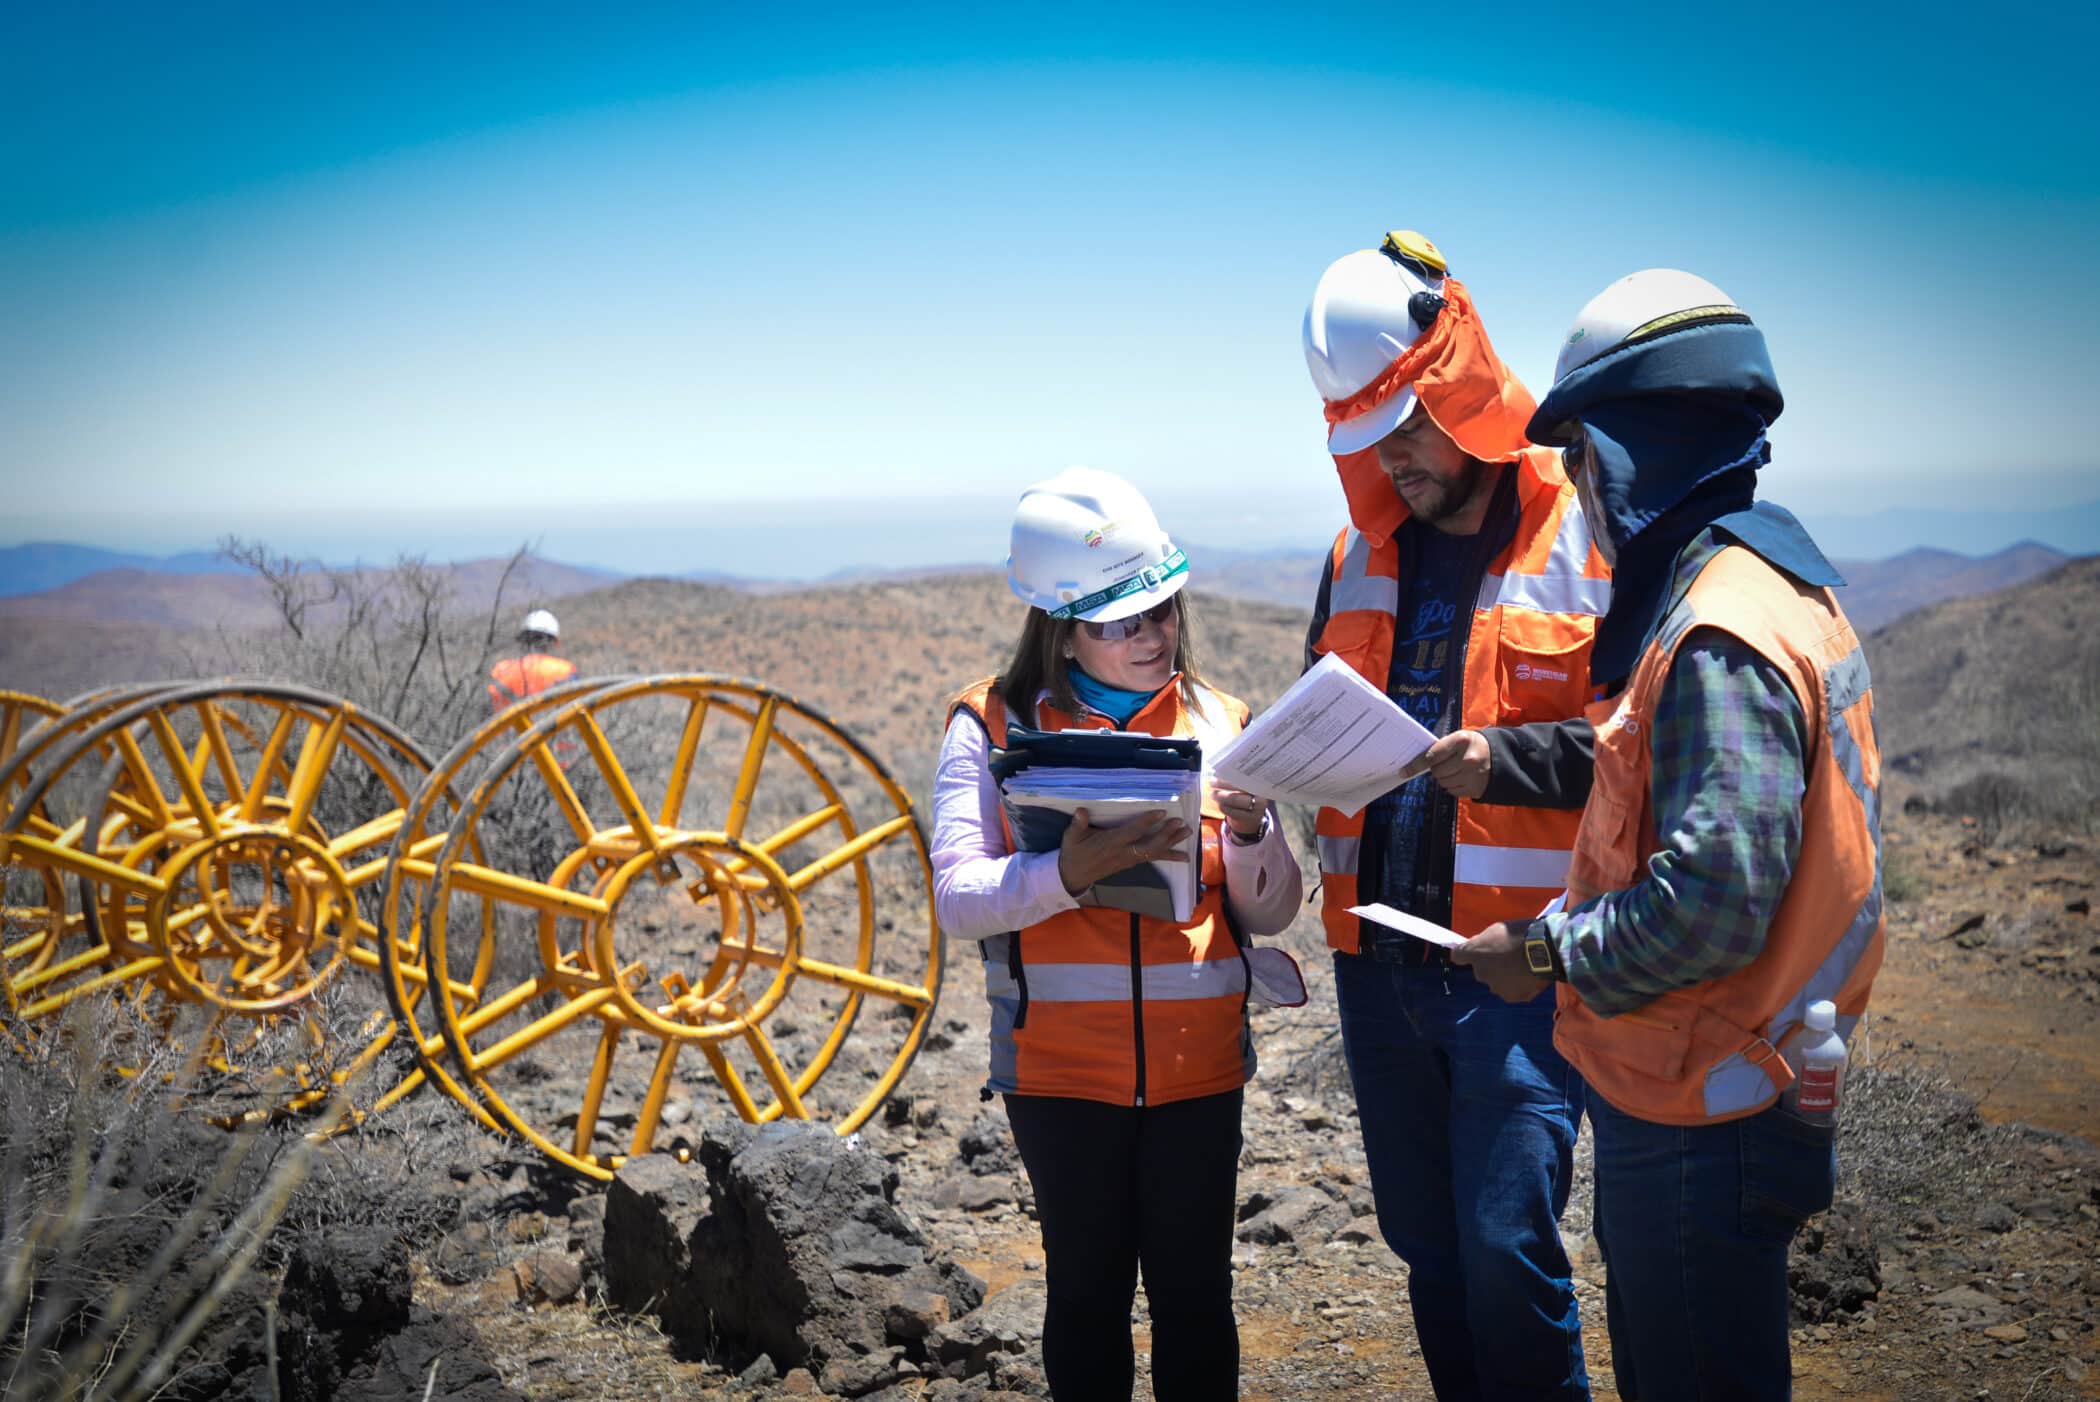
(1120, 1041)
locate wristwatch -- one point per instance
(1540, 956)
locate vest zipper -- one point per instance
(1137, 1005)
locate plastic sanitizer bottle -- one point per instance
(1819, 1064)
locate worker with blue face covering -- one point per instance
(1726, 877)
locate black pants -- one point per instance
(1117, 1188)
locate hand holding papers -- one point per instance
(1333, 738)
(1119, 779)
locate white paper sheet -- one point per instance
(1333, 738)
(1113, 797)
(1409, 924)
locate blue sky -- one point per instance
(685, 289)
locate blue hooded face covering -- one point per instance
(1676, 427)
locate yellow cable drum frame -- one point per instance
(408, 872)
(181, 836)
(21, 754)
(741, 878)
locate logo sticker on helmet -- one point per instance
(1092, 538)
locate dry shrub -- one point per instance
(140, 1241)
(397, 641)
(125, 1221)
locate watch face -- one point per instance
(1538, 957)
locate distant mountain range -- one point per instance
(82, 583)
(1877, 592)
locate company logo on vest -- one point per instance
(1527, 672)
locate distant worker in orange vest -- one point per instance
(1466, 589)
(1727, 874)
(513, 679)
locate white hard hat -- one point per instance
(542, 622)
(1640, 306)
(1086, 545)
(1363, 317)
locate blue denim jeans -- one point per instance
(1694, 1223)
(1469, 1118)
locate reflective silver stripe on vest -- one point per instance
(1736, 1084)
(1340, 854)
(1110, 983)
(1478, 864)
(1354, 587)
(1561, 587)
(1004, 1073)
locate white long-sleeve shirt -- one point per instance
(982, 888)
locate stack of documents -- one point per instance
(1117, 776)
(1332, 739)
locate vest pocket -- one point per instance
(1541, 674)
(1650, 1044)
(1606, 854)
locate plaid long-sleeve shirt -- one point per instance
(1729, 742)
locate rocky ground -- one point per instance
(1963, 1260)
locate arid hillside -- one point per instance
(1992, 704)
(884, 657)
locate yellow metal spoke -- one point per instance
(852, 851)
(372, 834)
(682, 763)
(122, 807)
(539, 1029)
(624, 797)
(157, 807)
(99, 870)
(221, 752)
(178, 757)
(794, 832)
(122, 974)
(415, 862)
(653, 1103)
(565, 797)
(502, 886)
(272, 751)
(498, 1008)
(10, 731)
(776, 1074)
(839, 975)
(594, 1088)
(739, 1097)
(316, 753)
(42, 826)
(754, 761)
(22, 949)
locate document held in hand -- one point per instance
(1409, 924)
(1117, 776)
(1332, 739)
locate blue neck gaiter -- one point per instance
(1111, 701)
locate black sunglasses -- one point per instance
(1115, 630)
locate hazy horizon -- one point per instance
(783, 541)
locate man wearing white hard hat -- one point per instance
(1723, 922)
(535, 669)
(1120, 1041)
(1465, 587)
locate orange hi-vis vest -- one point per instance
(1108, 1005)
(515, 678)
(1527, 659)
(1710, 1052)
